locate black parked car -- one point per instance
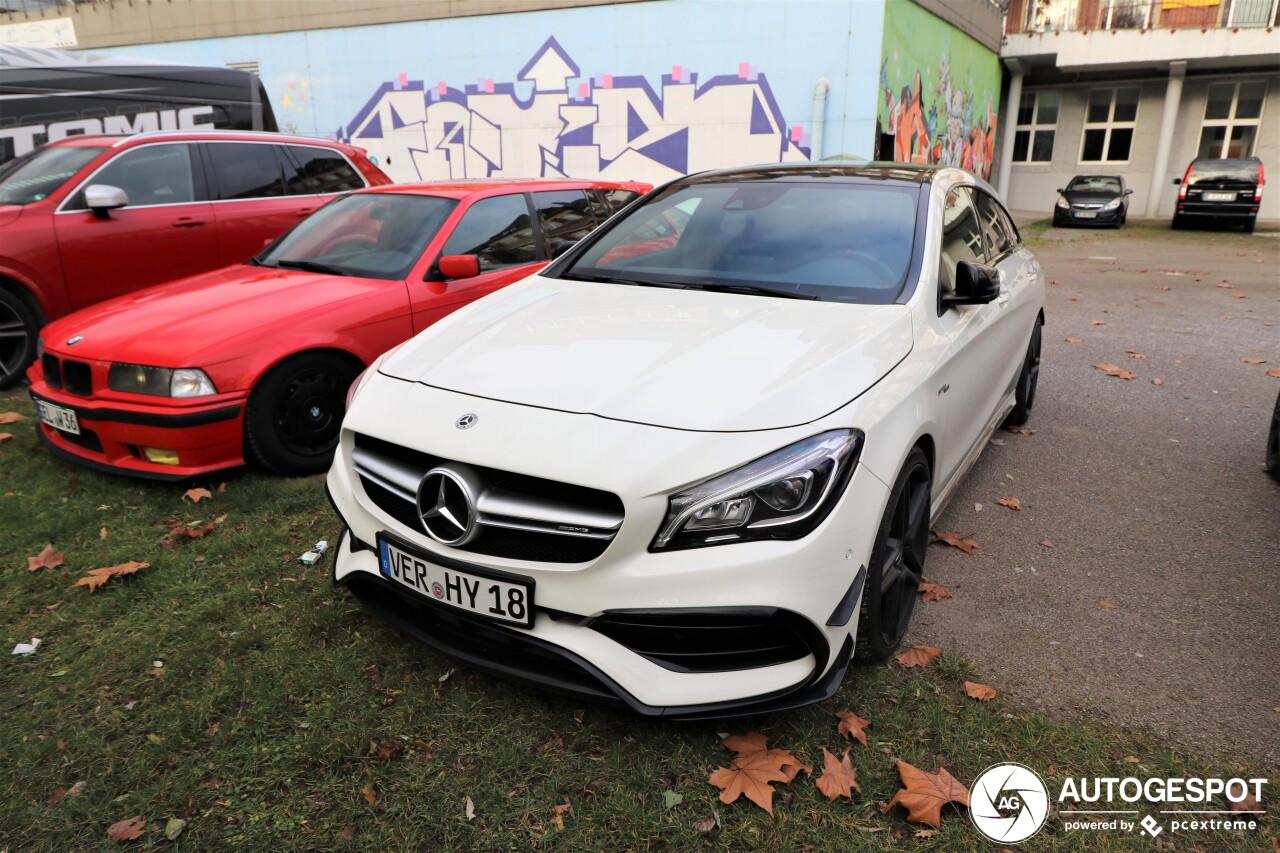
(1222, 190)
(1093, 200)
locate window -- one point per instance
(152, 174)
(1037, 118)
(245, 170)
(1232, 113)
(996, 227)
(1108, 125)
(565, 217)
(319, 170)
(497, 230)
(605, 203)
(961, 237)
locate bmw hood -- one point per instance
(683, 359)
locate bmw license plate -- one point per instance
(1219, 196)
(58, 417)
(507, 598)
(1086, 214)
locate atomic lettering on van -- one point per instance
(28, 137)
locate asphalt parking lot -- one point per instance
(1152, 495)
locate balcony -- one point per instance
(1056, 16)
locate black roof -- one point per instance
(822, 170)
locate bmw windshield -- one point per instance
(823, 240)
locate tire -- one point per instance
(1028, 379)
(294, 415)
(1249, 224)
(1273, 444)
(1178, 224)
(19, 332)
(897, 563)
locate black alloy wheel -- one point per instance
(897, 563)
(18, 330)
(1028, 380)
(295, 413)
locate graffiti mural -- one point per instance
(572, 125)
(945, 115)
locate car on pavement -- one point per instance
(1093, 200)
(696, 480)
(1273, 443)
(86, 218)
(252, 362)
(1228, 191)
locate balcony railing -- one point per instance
(1037, 16)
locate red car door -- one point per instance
(166, 231)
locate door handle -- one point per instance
(305, 212)
(187, 222)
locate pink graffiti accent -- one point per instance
(442, 87)
(677, 73)
(744, 70)
(488, 87)
(797, 133)
(607, 82)
(584, 89)
(404, 79)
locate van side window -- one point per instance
(319, 171)
(961, 237)
(149, 175)
(245, 170)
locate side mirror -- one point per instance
(976, 284)
(459, 266)
(104, 198)
(1061, 190)
(1177, 181)
(1128, 192)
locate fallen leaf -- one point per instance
(926, 793)
(102, 534)
(671, 799)
(196, 495)
(470, 809)
(751, 771)
(705, 826)
(97, 577)
(930, 591)
(58, 794)
(1012, 503)
(174, 828)
(127, 830)
(1273, 372)
(388, 750)
(1116, 371)
(1102, 602)
(46, 559)
(222, 487)
(1133, 353)
(838, 778)
(1046, 543)
(853, 726)
(1254, 360)
(919, 656)
(5, 436)
(1021, 430)
(78, 788)
(1223, 285)
(1097, 323)
(370, 795)
(1074, 340)
(952, 538)
(1157, 381)
(981, 692)
(1239, 296)
(1248, 804)
(10, 417)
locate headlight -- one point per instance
(1063, 203)
(1112, 205)
(159, 381)
(784, 495)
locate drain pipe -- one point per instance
(819, 118)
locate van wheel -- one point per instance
(1177, 224)
(1249, 224)
(18, 335)
(294, 415)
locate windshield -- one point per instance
(1224, 170)
(33, 177)
(375, 235)
(1094, 184)
(843, 242)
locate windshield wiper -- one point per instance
(605, 279)
(751, 289)
(312, 266)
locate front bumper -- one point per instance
(1073, 217)
(806, 582)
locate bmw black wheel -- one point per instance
(897, 563)
(18, 335)
(295, 413)
(1028, 379)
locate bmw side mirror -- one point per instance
(104, 198)
(976, 284)
(459, 266)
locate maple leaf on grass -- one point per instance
(97, 577)
(925, 794)
(953, 538)
(753, 769)
(838, 778)
(981, 692)
(127, 830)
(851, 725)
(1116, 371)
(919, 656)
(196, 495)
(46, 559)
(1012, 503)
(10, 417)
(930, 591)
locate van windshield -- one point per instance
(1224, 170)
(35, 176)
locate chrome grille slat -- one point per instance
(549, 512)
(392, 475)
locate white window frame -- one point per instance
(1035, 126)
(1109, 125)
(1231, 122)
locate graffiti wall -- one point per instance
(600, 124)
(939, 93)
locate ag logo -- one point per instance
(1009, 803)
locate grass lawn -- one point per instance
(233, 687)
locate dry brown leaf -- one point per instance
(981, 692)
(196, 495)
(370, 795)
(1021, 430)
(926, 793)
(953, 538)
(58, 794)
(752, 770)
(853, 726)
(5, 436)
(97, 577)
(1046, 543)
(10, 417)
(222, 487)
(1157, 381)
(704, 826)
(930, 591)
(1239, 296)
(127, 830)
(1223, 285)
(838, 778)
(388, 750)
(193, 532)
(1273, 372)
(1248, 804)
(919, 656)
(1097, 323)
(46, 559)
(1074, 340)
(1254, 360)
(1116, 371)
(1102, 602)
(1012, 503)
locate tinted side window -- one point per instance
(153, 174)
(618, 199)
(961, 237)
(565, 217)
(319, 171)
(995, 227)
(245, 170)
(497, 230)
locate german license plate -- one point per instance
(1219, 196)
(58, 417)
(1086, 214)
(507, 599)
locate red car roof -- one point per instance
(467, 186)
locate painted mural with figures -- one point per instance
(553, 120)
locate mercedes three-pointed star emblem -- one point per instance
(445, 507)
